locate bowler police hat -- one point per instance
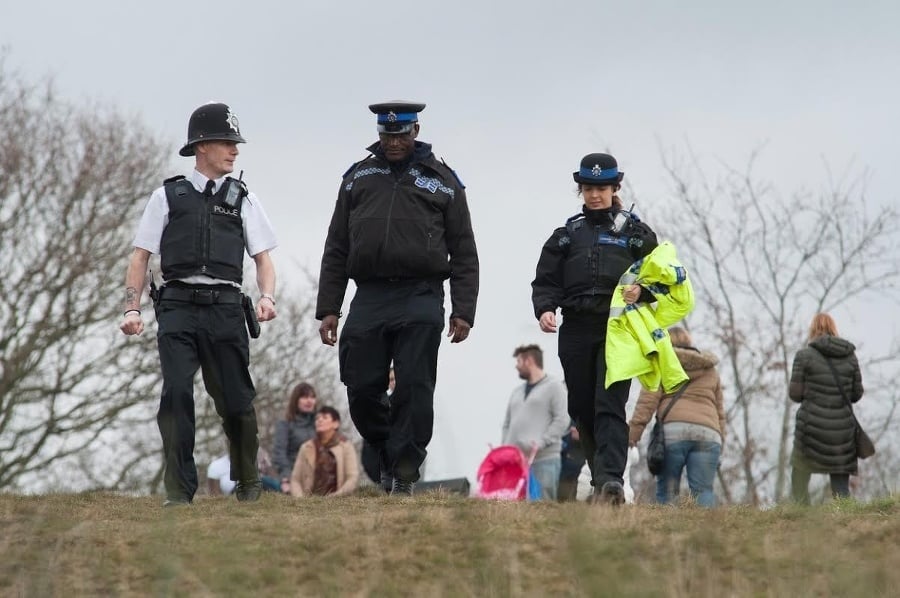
(213, 121)
(397, 117)
(598, 169)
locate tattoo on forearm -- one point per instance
(131, 297)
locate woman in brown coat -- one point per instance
(327, 464)
(694, 428)
(825, 429)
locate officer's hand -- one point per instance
(548, 321)
(265, 309)
(132, 324)
(328, 330)
(459, 330)
(631, 293)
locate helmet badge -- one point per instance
(232, 121)
(596, 170)
(392, 117)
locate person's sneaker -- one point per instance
(248, 491)
(176, 501)
(402, 488)
(611, 493)
(387, 482)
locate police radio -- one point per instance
(621, 219)
(236, 190)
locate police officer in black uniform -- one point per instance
(578, 271)
(201, 227)
(400, 227)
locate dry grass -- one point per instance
(104, 544)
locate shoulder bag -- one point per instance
(656, 450)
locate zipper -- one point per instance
(205, 225)
(387, 226)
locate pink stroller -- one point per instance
(503, 474)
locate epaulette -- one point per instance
(456, 176)
(575, 222)
(173, 179)
(352, 166)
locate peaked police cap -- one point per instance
(397, 116)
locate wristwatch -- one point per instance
(268, 296)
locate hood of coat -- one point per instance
(694, 359)
(832, 346)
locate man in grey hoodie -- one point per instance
(537, 417)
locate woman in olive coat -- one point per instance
(825, 430)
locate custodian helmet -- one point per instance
(213, 121)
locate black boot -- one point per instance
(387, 477)
(248, 491)
(611, 493)
(402, 488)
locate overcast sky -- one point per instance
(517, 93)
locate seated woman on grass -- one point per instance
(327, 464)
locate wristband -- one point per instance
(130, 311)
(268, 296)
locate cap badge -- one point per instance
(391, 117)
(232, 121)
(596, 170)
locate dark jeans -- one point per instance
(800, 475)
(212, 338)
(400, 322)
(598, 412)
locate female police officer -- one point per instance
(201, 226)
(578, 271)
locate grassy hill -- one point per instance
(433, 545)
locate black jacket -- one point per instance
(410, 222)
(581, 262)
(825, 433)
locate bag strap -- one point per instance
(677, 396)
(837, 380)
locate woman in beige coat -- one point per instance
(327, 464)
(694, 428)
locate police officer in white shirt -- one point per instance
(201, 226)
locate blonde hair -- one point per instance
(822, 325)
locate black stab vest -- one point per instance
(203, 236)
(595, 259)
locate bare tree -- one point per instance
(69, 178)
(762, 265)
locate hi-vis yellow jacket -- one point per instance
(637, 343)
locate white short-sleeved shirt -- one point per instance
(259, 235)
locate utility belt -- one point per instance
(399, 280)
(200, 295)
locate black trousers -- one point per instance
(212, 338)
(599, 412)
(400, 322)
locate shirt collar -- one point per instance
(199, 181)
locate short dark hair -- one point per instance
(330, 411)
(532, 351)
